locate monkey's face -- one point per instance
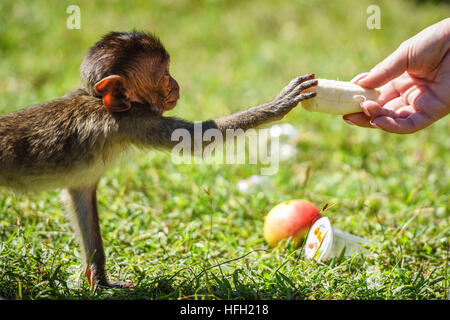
(170, 90)
(160, 91)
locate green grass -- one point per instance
(185, 231)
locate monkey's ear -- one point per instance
(114, 92)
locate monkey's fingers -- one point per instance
(289, 104)
(295, 96)
(304, 85)
(305, 77)
(294, 83)
(305, 96)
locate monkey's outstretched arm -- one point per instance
(161, 134)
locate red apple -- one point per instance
(290, 219)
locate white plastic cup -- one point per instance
(325, 242)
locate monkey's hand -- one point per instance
(290, 96)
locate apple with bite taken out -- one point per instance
(290, 219)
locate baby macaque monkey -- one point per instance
(68, 143)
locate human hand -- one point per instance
(414, 82)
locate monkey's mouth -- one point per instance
(171, 101)
(170, 104)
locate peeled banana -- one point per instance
(338, 97)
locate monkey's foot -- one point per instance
(98, 279)
(119, 284)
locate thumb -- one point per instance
(391, 67)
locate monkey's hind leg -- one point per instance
(82, 206)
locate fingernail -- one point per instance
(364, 109)
(349, 122)
(374, 124)
(359, 77)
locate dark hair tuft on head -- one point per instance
(117, 52)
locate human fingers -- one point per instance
(359, 77)
(358, 119)
(414, 122)
(391, 67)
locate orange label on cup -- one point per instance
(318, 234)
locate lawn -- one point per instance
(187, 231)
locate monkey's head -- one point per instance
(126, 67)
